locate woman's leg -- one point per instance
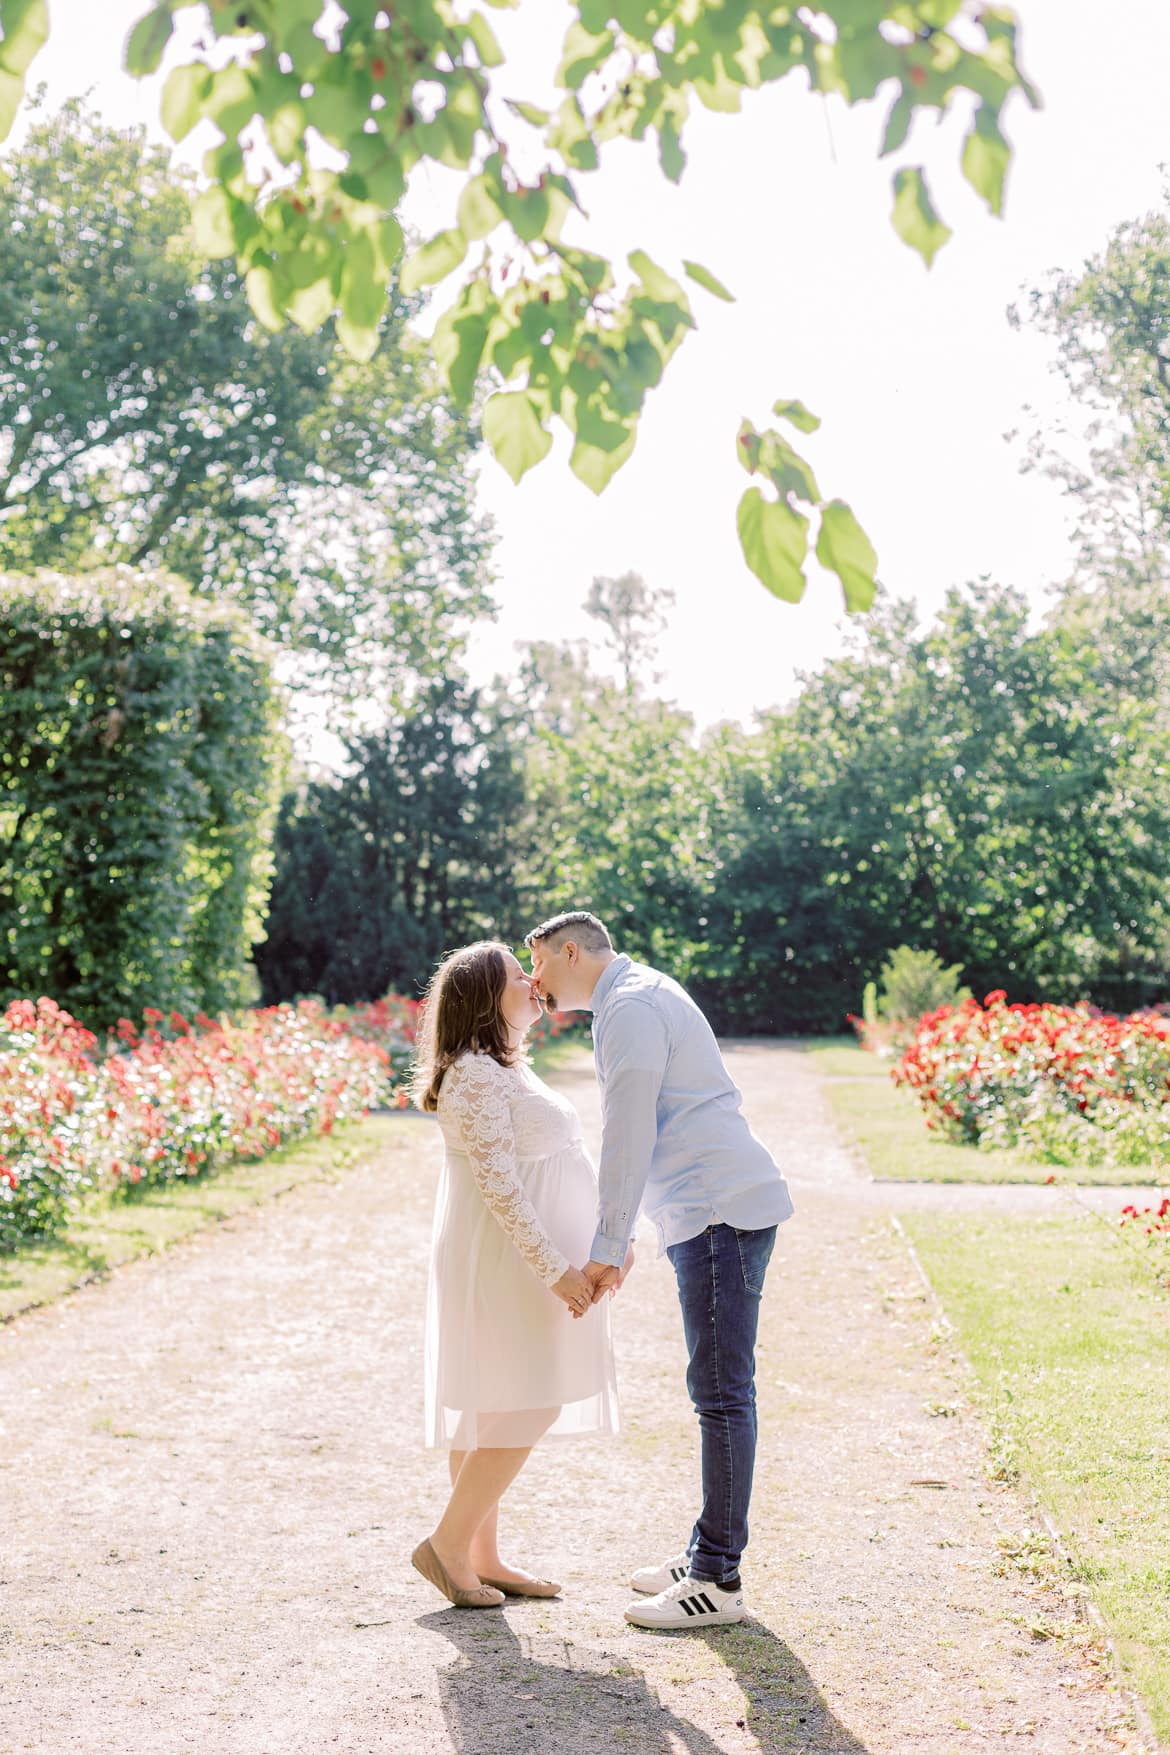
(484, 1476)
(465, 1537)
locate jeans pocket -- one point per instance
(755, 1252)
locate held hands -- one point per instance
(582, 1288)
(575, 1289)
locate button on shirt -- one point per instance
(673, 1140)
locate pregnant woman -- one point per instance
(516, 1353)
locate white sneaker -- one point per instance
(689, 1603)
(652, 1579)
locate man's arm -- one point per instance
(636, 1046)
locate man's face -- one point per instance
(545, 966)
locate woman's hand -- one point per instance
(575, 1289)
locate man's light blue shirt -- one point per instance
(673, 1143)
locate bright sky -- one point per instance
(916, 375)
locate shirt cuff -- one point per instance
(608, 1250)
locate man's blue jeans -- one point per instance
(720, 1277)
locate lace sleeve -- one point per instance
(478, 1100)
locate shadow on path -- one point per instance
(497, 1696)
(786, 1711)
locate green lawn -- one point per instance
(888, 1128)
(1067, 1330)
(111, 1230)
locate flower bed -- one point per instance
(169, 1101)
(1072, 1084)
(391, 1024)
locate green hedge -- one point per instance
(140, 764)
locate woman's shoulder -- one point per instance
(474, 1068)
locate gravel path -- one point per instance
(211, 1479)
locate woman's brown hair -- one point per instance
(461, 1015)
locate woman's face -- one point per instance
(518, 1002)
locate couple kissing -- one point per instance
(520, 1204)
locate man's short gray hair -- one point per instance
(585, 928)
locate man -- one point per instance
(675, 1144)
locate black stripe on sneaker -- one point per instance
(677, 1572)
(687, 1604)
(704, 1601)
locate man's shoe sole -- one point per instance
(691, 1621)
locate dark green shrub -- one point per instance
(139, 766)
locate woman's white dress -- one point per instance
(506, 1361)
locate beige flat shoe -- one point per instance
(425, 1560)
(536, 1587)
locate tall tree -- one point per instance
(419, 847)
(1111, 323)
(971, 790)
(633, 616)
(146, 417)
(388, 88)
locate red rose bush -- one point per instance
(1072, 1085)
(176, 1098)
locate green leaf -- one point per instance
(512, 428)
(914, 217)
(389, 244)
(26, 25)
(434, 260)
(657, 283)
(363, 292)
(769, 453)
(146, 42)
(231, 97)
(897, 124)
(458, 343)
(310, 305)
(596, 466)
(527, 212)
(986, 157)
(11, 93)
(211, 223)
(360, 344)
(797, 415)
(182, 98)
(286, 129)
(581, 54)
(571, 137)
(670, 153)
(936, 13)
(774, 540)
(845, 549)
(530, 113)
(478, 212)
(484, 38)
(261, 290)
(703, 277)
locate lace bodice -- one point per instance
(496, 1115)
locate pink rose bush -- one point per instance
(390, 1023)
(1072, 1085)
(177, 1097)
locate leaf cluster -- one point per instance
(560, 333)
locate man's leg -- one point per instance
(720, 1279)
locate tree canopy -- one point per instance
(146, 418)
(561, 332)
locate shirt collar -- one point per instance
(606, 980)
